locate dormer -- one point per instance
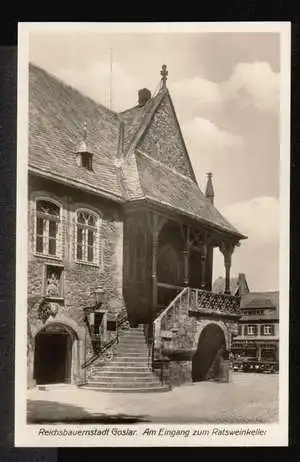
(84, 154)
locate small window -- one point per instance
(251, 330)
(54, 282)
(87, 237)
(87, 160)
(48, 229)
(268, 330)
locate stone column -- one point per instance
(227, 251)
(203, 266)
(186, 267)
(227, 276)
(209, 267)
(186, 256)
(154, 268)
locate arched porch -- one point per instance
(209, 361)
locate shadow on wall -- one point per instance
(44, 412)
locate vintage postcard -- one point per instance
(152, 304)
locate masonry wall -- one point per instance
(163, 142)
(177, 340)
(79, 280)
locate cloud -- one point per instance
(203, 134)
(94, 81)
(196, 94)
(257, 218)
(253, 84)
(214, 150)
(258, 256)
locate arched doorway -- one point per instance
(53, 354)
(208, 360)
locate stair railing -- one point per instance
(161, 320)
(120, 321)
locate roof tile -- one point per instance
(57, 114)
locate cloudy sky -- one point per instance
(225, 88)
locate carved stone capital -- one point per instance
(227, 249)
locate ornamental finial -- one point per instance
(209, 192)
(164, 75)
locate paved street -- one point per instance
(248, 398)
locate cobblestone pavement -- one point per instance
(247, 398)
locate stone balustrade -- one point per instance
(211, 303)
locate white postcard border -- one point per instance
(28, 435)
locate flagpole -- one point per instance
(110, 83)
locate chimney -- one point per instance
(144, 96)
(209, 191)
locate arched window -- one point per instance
(48, 228)
(87, 236)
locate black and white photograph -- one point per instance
(152, 300)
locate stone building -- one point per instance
(121, 246)
(258, 328)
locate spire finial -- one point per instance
(209, 191)
(164, 75)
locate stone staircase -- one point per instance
(129, 370)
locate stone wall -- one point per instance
(177, 335)
(163, 142)
(79, 280)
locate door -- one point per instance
(52, 358)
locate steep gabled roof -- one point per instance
(261, 300)
(57, 114)
(165, 186)
(121, 169)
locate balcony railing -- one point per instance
(206, 302)
(197, 301)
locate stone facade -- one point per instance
(79, 280)
(169, 148)
(179, 333)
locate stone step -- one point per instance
(132, 340)
(132, 354)
(122, 377)
(131, 336)
(134, 360)
(129, 384)
(160, 388)
(132, 364)
(130, 344)
(124, 373)
(129, 369)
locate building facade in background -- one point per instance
(258, 330)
